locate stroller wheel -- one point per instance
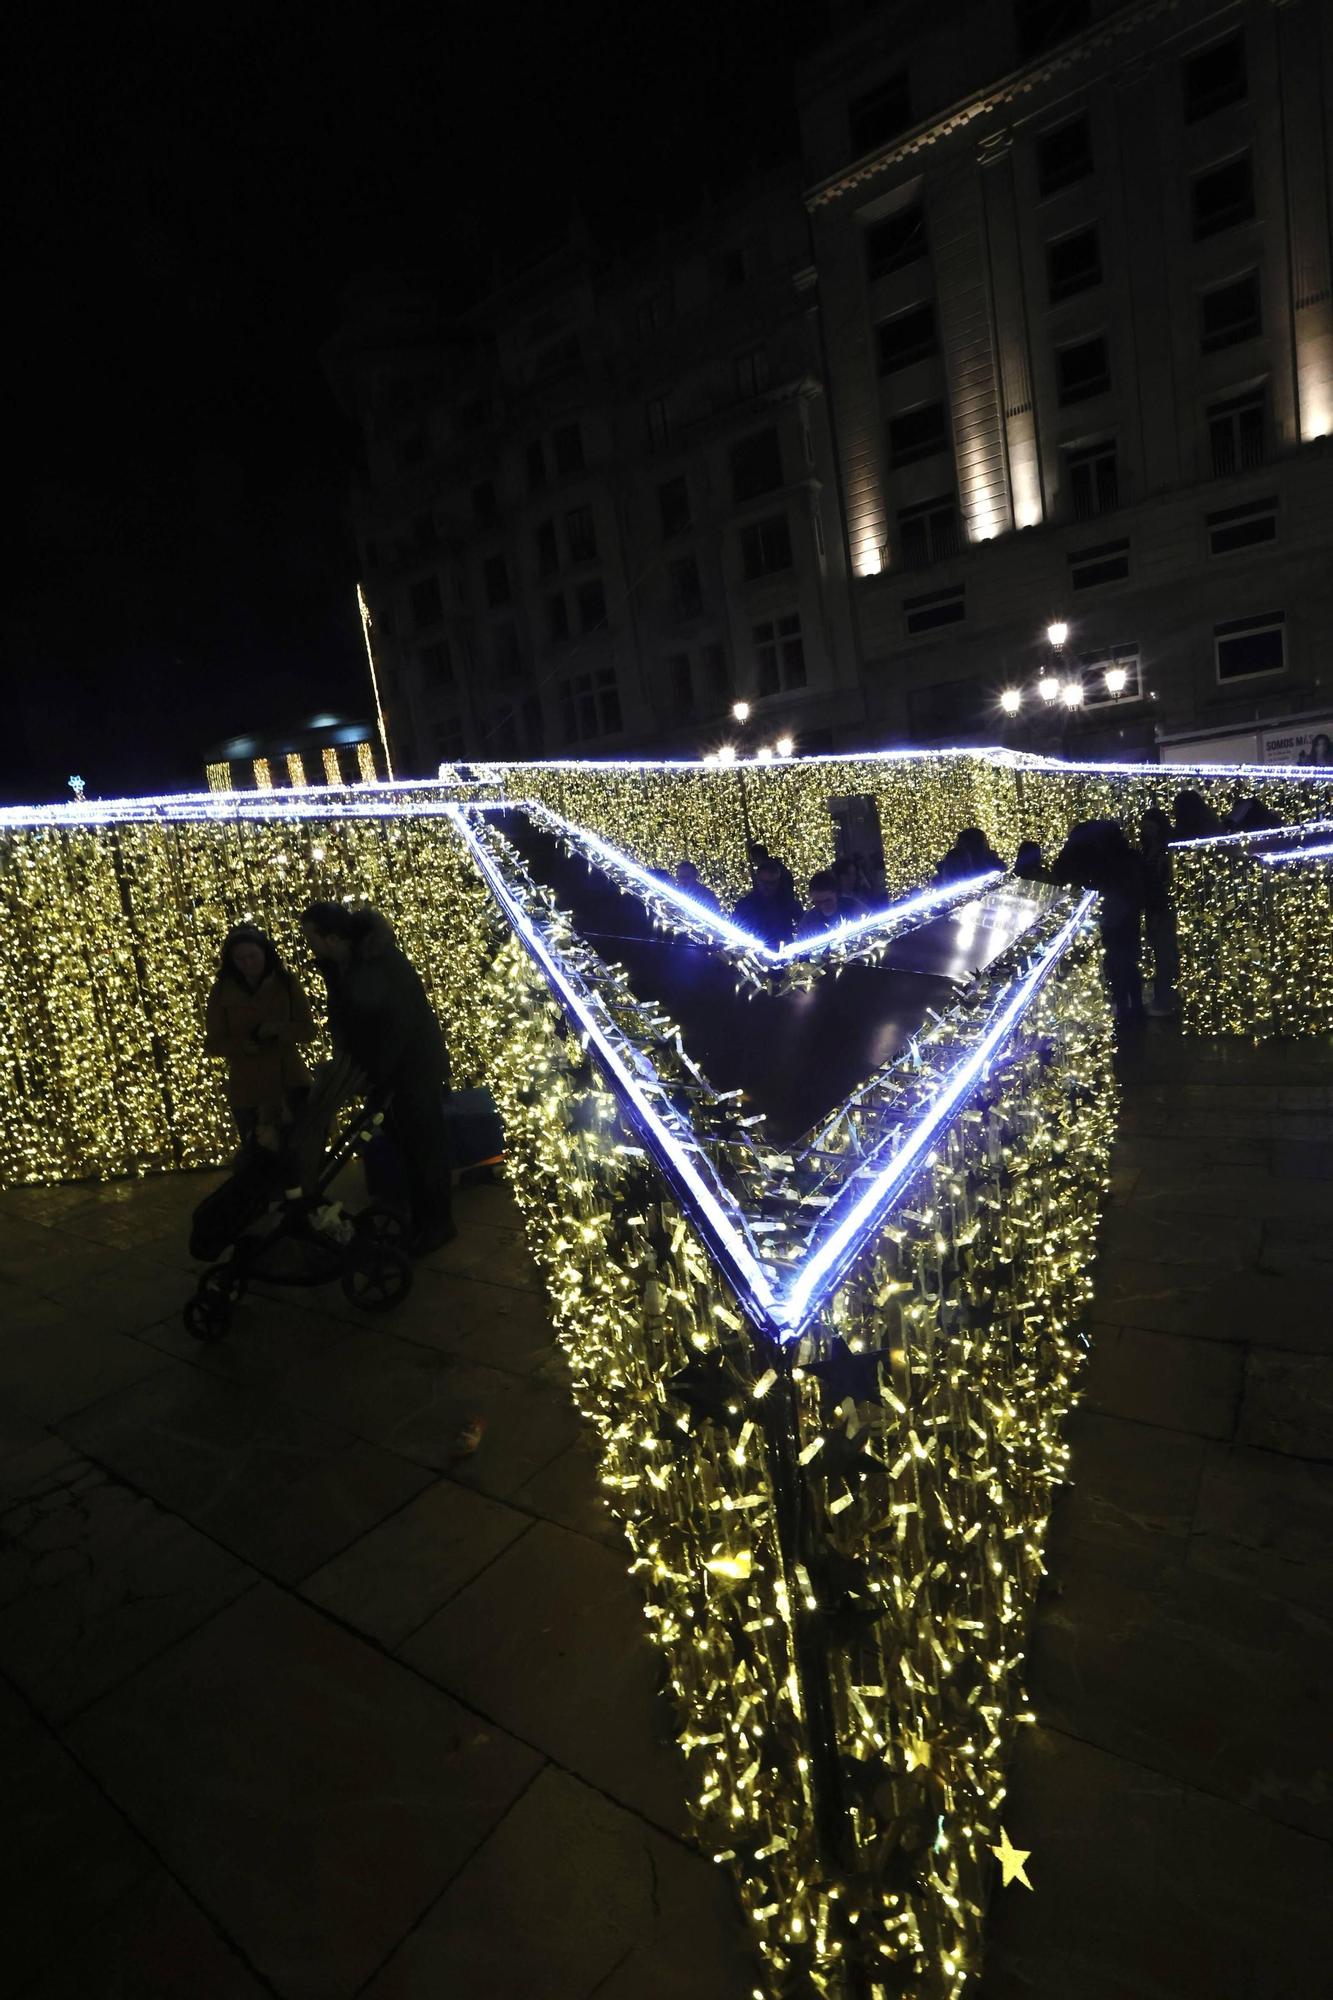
(387, 1226)
(379, 1278)
(208, 1314)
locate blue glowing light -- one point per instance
(1321, 853)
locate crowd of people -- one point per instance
(1133, 881)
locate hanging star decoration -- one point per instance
(1011, 1861)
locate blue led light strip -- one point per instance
(1297, 830)
(783, 1314)
(1322, 853)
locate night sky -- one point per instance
(193, 189)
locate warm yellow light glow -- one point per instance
(784, 746)
(295, 768)
(764, 754)
(263, 771)
(1048, 687)
(1057, 632)
(727, 754)
(1027, 492)
(1072, 694)
(219, 777)
(375, 684)
(332, 774)
(1011, 701)
(741, 710)
(1117, 680)
(365, 763)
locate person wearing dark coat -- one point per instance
(381, 1019)
(770, 911)
(971, 854)
(1096, 855)
(1194, 818)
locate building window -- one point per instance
(766, 547)
(557, 616)
(735, 269)
(881, 114)
(592, 604)
(548, 555)
(1236, 432)
(1213, 77)
(580, 535)
(1093, 478)
(659, 423)
(896, 241)
(1064, 155)
(1114, 661)
(1222, 197)
(936, 607)
(1107, 563)
(495, 574)
(1082, 370)
(751, 373)
(436, 664)
(686, 591)
(928, 532)
(1246, 647)
(673, 500)
(1243, 527)
(682, 685)
(779, 654)
(1042, 24)
(590, 706)
(424, 600)
(567, 444)
(716, 677)
(536, 466)
(918, 433)
(1073, 264)
(756, 466)
(485, 507)
(907, 337)
(1230, 313)
(508, 663)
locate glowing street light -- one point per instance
(1072, 694)
(1117, 680)
(741, 710)
(727, 754)
(1048, 687)
(763, 755)
(1011, 701)
(784, 746)
(1056, 633)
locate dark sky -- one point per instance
(192, 189)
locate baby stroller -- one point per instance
(274, 1220)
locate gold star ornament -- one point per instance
(1011, 1861)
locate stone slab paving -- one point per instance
(293, 1702)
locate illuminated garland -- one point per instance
(1255, 924)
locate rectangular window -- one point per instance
(716, 678)
(766, 547)
(1222, 197)
(659, 423)
(1243, 527)
(1093, 479)
(1213, 77)
(548, 555)
(1064, 155)
(580, 535)
(682, 685)
(1107, 563)
(751, 373)
(485, 507)
(918, 433)
(424, 598)
(907, 337)
(557, 616)
(686, 591)
(881, 114)
(779, 654)
(1230, 313)
(567, 444)
(536, 466)
(936, 607)
(896, 241)
(756, 466)
(673, 500)
(508, 662)
(436, 664)
(1082, 370)
(1043, 24)
(1249, 646)
(590, 706)
(592, 604)
(928, 532)
(495, 574)
(1073, 264)
(1111, 675)
(1236, 432)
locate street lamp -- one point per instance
(1048, 687)
(763, 755)
(1117, 680)
(784, 746)
(1056, 633)
(727, 754)
(1071, 694)
(1011, 701)
(741, 711)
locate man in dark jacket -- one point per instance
(382, 1020)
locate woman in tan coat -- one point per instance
(257, 1019)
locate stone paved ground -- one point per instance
(293, 1703)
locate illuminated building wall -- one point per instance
(1169, 492)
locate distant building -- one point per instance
(326, 750)
(1074, 269)
(606, 507)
